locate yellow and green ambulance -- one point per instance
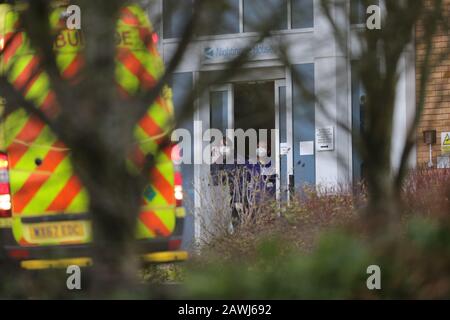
(44, 218)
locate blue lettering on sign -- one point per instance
(232, 52)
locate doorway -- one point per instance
(254, 108)
(255, 105)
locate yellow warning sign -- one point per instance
(445, 142)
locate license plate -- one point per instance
(57, 231)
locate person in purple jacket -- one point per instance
(266, 168)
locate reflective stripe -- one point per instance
(66, 195)
(49, 104)
(22, 197)
(129, 60)
(166, 257)
(29, 133)
(30, 85)
(61, 263)
(50, 189)
(24, 242)
(74, 66)
(150, 127)
(162, 102)
(26, 73)
(155, 257)
(163, 186)
(14, 42)
(152, 222)
(129, 18)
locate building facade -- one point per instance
(315, 54)
(436, 113)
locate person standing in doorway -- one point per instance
(266, 168)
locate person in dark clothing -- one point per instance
(224, 174)
(266, 169)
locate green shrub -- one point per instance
(414, 262)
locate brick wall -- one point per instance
(436, 114)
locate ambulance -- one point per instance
(44, 218)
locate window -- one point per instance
(219, 110)
(358, 10)
(258, 13)
(175, 16)
(221, 18)
(235, 16)
(358, 104)
(302, 14)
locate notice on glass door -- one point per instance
(325, 139)
(307, 148)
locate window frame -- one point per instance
(287, 25)
(163, 15)
(360, 6)
(241, 32)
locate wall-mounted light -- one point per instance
(429, 138)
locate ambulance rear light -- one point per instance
(179, 195)
(155, 38)
(178, 187)
(19, 254)
(5, 192)
(174, 244)
(5, 202)
(178, 183)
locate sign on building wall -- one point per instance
(445, 142)
(325, 139)
(224, 51)
(443, 162)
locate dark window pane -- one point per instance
(219, 104)
(358, 10)
(358, 100)
(302, 14)
(219, 17)
(175, 16)
(355, 9)
(259, 13)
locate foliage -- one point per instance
(336, 269)
(319, 248)
(165, 273)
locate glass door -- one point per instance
(221, 104)
(282, 146)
